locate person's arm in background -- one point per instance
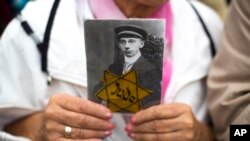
(229, 78)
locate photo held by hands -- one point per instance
(133, 92)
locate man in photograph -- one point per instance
(130, 40)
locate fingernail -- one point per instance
(131, 135)
(111, 126)
(128, 128)
(108, 133)
(109, 115)
(133, 120)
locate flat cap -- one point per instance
(130, 31)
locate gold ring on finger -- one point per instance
(67, 131)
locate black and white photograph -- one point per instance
(124, 63)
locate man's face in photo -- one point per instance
(130, 46)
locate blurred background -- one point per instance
(8, 10)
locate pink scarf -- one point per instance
(107, 9)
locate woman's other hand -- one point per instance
(174, 122)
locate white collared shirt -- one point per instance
(129, 62)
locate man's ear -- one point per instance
(142, 44)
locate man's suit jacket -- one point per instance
(149, 77)
(229, 78)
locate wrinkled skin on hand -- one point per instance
(167, 122)
(89, 121)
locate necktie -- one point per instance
(126, 68)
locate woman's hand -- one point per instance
(174, 122)
(89, 121)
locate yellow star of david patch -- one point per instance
(122, 93)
